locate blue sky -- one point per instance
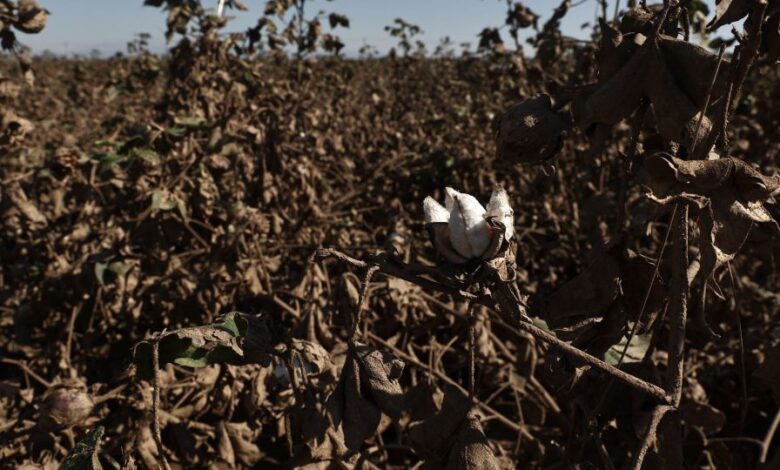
(79, 26)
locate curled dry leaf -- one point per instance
(237, 444)
(696, 410)
(453, 438)
(594, 308)
(369, 386)
(770, 36)
(730, 193)
(431, 436)
(529, 132)
(672, 74)
(28, 209)
(729, 11)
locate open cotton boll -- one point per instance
(435, 212)
(449, 198)
(463, 230)
(469, 231)
(498, 208)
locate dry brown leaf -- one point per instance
(673, 75)
(30, 211)
(729, 11)
(731, 195)
(471, 449)
(367, 388)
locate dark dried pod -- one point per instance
(529, 132)
(522, 16)
(640, 19)
(65, 406)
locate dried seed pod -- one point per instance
(13, 128)
(529, 132)
(31, 18)
(65, 406)
(639, 19)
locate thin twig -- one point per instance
(650, 286)
(156, 403)
(742, 368)
(707, 100)
(638, 320)
(26, 369)
(770, 434)
(649, 435)
(678, 309)
(362, 301)
(472, 352)
(71, 327)
(398, 270)
(485, 407)
(744, 56)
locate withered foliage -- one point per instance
(162, 304)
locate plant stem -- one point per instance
(649, 435)
(678, 307)
(768, 438)
(156, 403)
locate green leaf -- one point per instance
(220, 342)
(108, 160)
(148, 155)
(119, 268)
(100, 271)
(163, 200)
(176, 131)
(539, 323)
(635, 352)
(84, 456)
